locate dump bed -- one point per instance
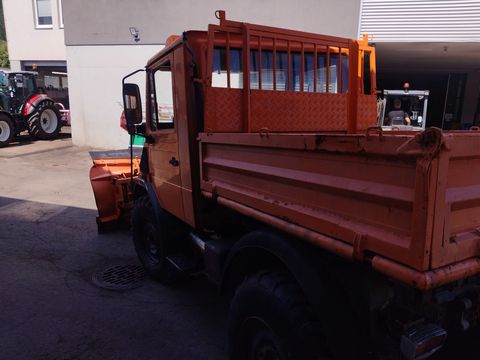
(409, 203)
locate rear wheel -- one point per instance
(270, 319)
(45, 123)
(6, 130)
(151, 241)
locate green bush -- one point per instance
(4, 63)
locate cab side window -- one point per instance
(161, 99)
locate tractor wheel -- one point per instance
(6, 130)
(45, 123)
(271, 319)
(151, 242)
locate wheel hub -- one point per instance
(151, 245)
(266, 351)
(4, 131)
(48, 120)
(262, 342)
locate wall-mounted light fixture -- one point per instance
(135, 33)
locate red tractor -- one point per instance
(23, 106)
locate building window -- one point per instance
(43, 14)
(60, 13)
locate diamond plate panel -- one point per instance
(295, 111)
(223, 110)
(284, 111)
(366, 111)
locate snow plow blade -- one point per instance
(110, 177)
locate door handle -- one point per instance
(174, 162)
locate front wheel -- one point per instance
(270, 319)
(45, 123)
(151, 241)
(6, 130)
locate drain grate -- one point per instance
(120, 277)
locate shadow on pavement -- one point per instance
(24, 138)
(51, 308)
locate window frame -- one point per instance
(60, 14)
(152, 90)
(35, 12)
(231, 55)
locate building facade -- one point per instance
(101, 49)
(35, 35)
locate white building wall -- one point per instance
(15, 65)
(101, 22)
(95, 84)
(25, 41)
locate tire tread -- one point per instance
(35, 128)
(297, 313)
(9, 122)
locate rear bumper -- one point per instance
(426, 280)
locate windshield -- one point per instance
(412, 107)
(3, 83)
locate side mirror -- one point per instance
(132, 104)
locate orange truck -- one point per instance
(335, 238)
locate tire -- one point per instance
(6, 130)
(151, 242)
(270, 319)
(46, 122)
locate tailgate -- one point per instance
(456, 226)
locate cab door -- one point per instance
(163, 148)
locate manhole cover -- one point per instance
(119, 277)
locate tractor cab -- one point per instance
(15, 88)
(411, 103)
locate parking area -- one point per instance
(52, 264)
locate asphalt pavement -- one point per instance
(52, 304)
